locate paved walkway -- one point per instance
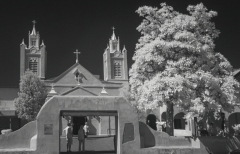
(93, 144)
(89, 152)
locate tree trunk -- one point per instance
(169, 119)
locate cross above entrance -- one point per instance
(78, 78)
(77, 55)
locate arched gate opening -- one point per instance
(105, 140)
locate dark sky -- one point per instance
(86, 25)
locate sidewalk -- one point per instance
(93, 144)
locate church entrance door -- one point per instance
(77, 122)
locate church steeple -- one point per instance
(115, 61)
(34, 37)
(113, 43)
(34, 30)
(33, 57)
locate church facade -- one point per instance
(75, 81)
(78, 81)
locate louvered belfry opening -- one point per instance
(33, 65)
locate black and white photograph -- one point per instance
(119, 77)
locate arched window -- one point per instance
(179, 121)
(233, 119)
(151, 121)
(33, 65)
(117, 69)
(163, 116)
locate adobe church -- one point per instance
(78, 81)
(75, 81)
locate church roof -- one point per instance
(78, 90)
(69, 76)
(236, 72)
(55, 79)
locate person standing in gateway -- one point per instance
(81, 139)
(86, 129)
(68, 131)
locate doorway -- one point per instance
(151, 121)
(233, 119)
(179, 121)
(77, 122)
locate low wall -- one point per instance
(20, 138)
(151, 138)
(206, 144)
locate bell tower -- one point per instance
(115, 61)
(34, 56)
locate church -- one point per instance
(78, 81)
(75, 81)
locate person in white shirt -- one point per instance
(68, 132)
(86, 129)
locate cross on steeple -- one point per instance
(113, 35)
(77, 55)
(34, 22)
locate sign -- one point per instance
(48, 129)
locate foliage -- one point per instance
(175, 62)
(31, 97)
(213, 122)
(124, 91)
(236, 129)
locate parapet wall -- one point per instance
(48, 120)
(151, 138)
(20, 138)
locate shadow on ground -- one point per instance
(100, 145)
(90, 152)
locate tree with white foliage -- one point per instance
(31, 97)
(175, 63)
